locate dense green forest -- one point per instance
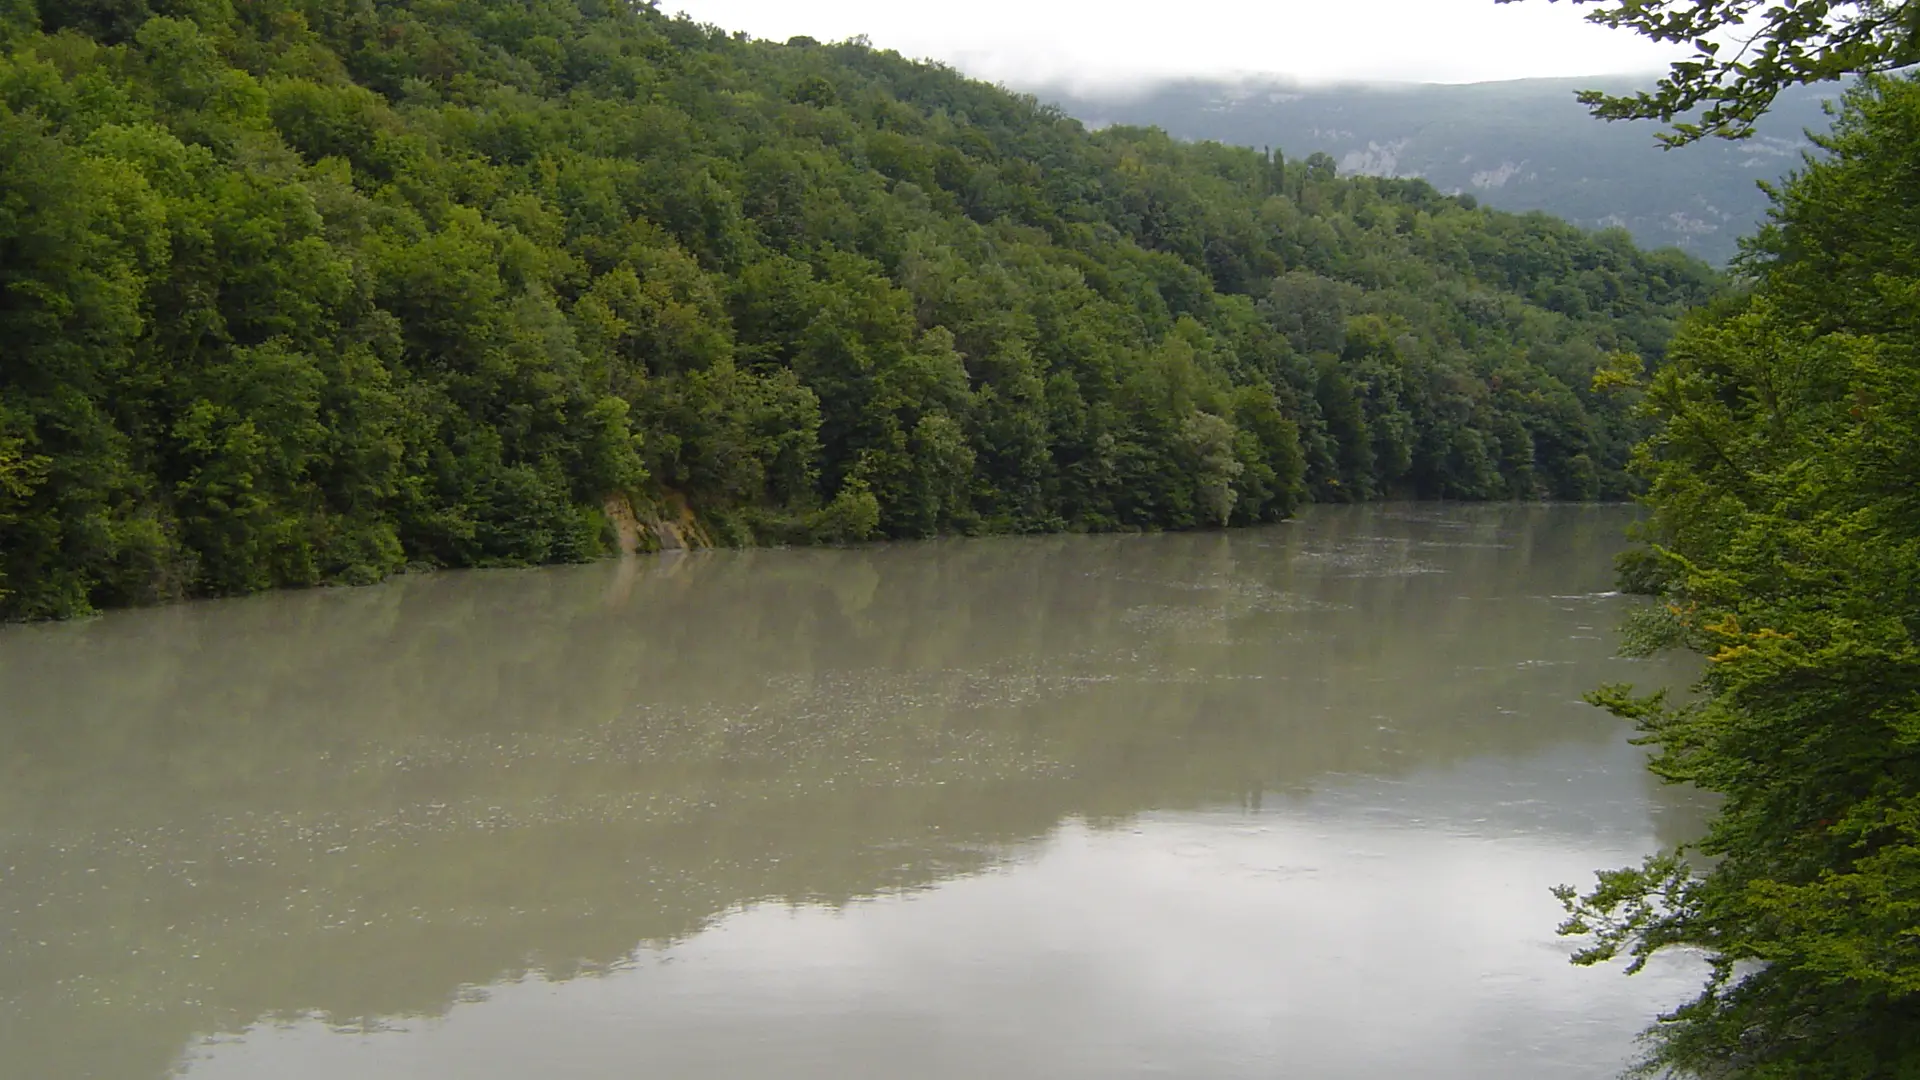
(298, 291)
(1784, 534)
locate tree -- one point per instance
(1786, 528)
(1747, 51)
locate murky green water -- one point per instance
(1275, 803)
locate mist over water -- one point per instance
(1283, 801)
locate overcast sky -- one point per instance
(1107, 42)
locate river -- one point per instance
(1279, 802)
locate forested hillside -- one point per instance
(295, 291)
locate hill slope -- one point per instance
(1519, 145)
(298, 291)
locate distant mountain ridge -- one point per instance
(1519, 145)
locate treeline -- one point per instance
(295, 291)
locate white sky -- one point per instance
(1116, 42)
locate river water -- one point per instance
(1282, 802)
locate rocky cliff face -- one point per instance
(1521, 145)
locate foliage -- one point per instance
(299, 291)
(1786, 519)
(1772, 45)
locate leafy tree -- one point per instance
(1786, 536)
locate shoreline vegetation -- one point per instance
(1783, 535)
(1784, 539)
(310, 291)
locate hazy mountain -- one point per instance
(1519, 145)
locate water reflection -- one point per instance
(359, 805)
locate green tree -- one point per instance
(1786, 526)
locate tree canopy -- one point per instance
(300, 291)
